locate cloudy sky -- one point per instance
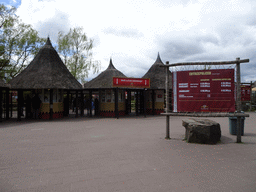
(132, 32)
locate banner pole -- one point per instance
(167, 103)
(238, 103)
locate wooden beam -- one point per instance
(1, 104)
(206, 114)
(7, 103)
(51, 104)
(153, 102)
(167, 103)
(137, 103)
(76, 103)
(116, 103)
(207, 63)
(144, 103)
(90, 105)
(238, 100)
(82, 103)
(20, 101)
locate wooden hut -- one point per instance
(48, 77)
(111, 100)
(156, 94)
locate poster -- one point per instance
(204, 91)
(245, 92)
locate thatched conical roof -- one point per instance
(157, 75)
(105, 78)
(3, 84)
(46, 71)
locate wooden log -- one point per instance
(238, 99)
(207, 63)
(207, 114)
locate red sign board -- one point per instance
(204, 91)
(131, 82)
(245, 92)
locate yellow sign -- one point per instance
(226, 79)
(200, 73)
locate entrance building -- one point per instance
(119, 95)
(41, 85)
(155, 95)
(111, 92)
(113, 99)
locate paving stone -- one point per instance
(128, 154)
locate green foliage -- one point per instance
(19, 43)
(207, 67)
(76, 51)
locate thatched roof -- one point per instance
(157, 75)
(2, 83)
(46, 71)
(105, 78)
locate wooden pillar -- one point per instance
(76, 103)
(153, 102)
(82, 103)
(11, 105)
(116, 103)
(238, 102)
(137, 103)
(251, 97)
(90, 104)
(129, 97)
(1, 104)
(7, 103)
(141, 102)
(51, 104)
(20, 98)
(68, 93)
(167, 103)
(144, 102)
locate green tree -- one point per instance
(19, 42)
(76, 50)
(6, 15)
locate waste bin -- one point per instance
(233, 125)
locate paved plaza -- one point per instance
(125, 155)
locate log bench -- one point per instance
(203, 131)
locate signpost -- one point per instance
(238, 94)
(246, 92)
(204, 91)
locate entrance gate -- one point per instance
(238, 114)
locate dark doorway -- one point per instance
(134, 102)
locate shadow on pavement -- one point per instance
(226, 140)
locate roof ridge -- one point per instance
(111, 66)
(158, 59)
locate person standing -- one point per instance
(36, 102)
(28, 107)
(96, 105)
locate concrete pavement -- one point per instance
(126, 154)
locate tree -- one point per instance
(76, 51)
(19, 43)
(5, 16)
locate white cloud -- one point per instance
(132, 32)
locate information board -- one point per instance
(131, 82)
(245, 92)
(204, 91)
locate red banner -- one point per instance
(131, 82)
(245, 92)
(204, 91)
